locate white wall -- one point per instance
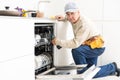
(25, 4)
(111, 24)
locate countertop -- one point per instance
(44, 19)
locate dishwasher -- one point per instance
(44, 58)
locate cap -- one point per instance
(71, 7)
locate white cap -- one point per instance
(71, 7)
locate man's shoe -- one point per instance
(118, 72)
(117, 69)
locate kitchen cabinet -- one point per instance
(20, 68)
(16, 48)
(17, 38)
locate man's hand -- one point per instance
(54, 41)
(60, 18)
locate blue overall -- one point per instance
(85, 55)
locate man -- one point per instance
(87, 43)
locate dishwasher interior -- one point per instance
(44, 50)
(44, 57)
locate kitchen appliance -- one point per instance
(44, 57)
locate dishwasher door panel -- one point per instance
(87, 75)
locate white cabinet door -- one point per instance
(16, 38)
(18, 69)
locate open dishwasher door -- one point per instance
(52, 75)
